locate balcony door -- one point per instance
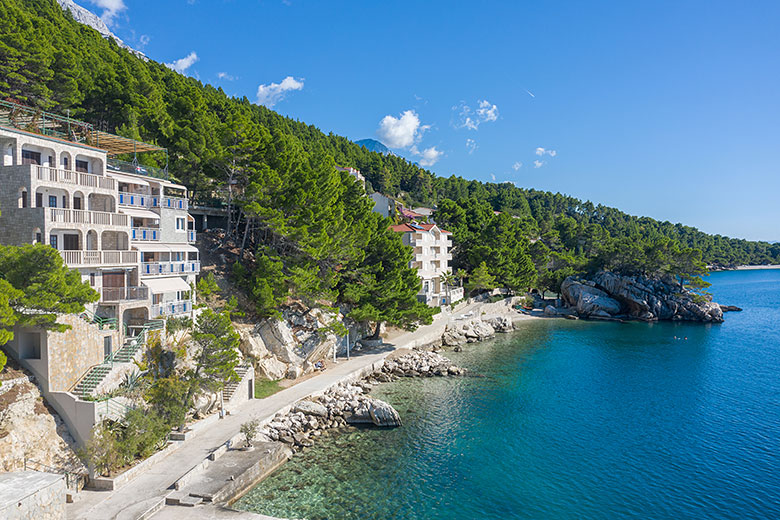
(70, 242)
(113, 279)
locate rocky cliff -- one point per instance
(609, 295)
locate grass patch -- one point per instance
(266, 387)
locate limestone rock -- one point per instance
(278, 337)
(311, 408)
(270, 368)
(382, 414)
(294, 372)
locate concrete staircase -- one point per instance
(231, 387)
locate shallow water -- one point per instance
(581, 420)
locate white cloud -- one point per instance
(225, 76)
(538, 163)
(143, 41)
(541, 151)
(493, 176)
(182, 64)
(401, 132)
(486, 111)
(429, 156)
(517, 165)
(471, 145)
(111, 9)
(468, 118)
(271, 94)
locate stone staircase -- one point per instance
(231, 387)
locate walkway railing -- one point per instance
(171, 308)
(144, 233)
(175, 203)
(191, 236)
(181, 267)
(77, 258)
(141, 200)
(87, 180)
(74, 480)
(81, 216)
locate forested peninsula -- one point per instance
(304, 229)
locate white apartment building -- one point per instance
(431, 246)
(123, 226)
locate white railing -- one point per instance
(176, 267)
(191, 236)
(175, 203)
(87, 180)
(78, 258)
(455, 294)
(171, 308)
(142, 233)
(81, 216)
(139, 200)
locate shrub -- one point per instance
(249, 430)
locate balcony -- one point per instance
(117, 294)
(71, 178)
(171, 308)
(455, 294)
(191, 236)
(139, 200)
(166, 268)
(145, 234)
(175, 203)
(97, 258)
(80, 216)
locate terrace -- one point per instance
(65, 128)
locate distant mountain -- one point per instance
(86, 17)
(372, 145)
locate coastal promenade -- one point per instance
(149, 489)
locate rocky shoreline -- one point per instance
(610, 296)
(348, 404)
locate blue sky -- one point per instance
(663, 109)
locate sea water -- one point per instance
(584, 420)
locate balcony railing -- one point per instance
(177, 267)
(139, 200)
(86, 180)
(175, 203)
(116, 294)
(191, 236)
(80, 216)
(142, 233)
(79, 258)
(171, 308)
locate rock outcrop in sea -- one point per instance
(609, 295)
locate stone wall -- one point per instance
(30, 494)
(73, 352)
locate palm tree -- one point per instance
(447, 279)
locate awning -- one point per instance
(140, 213)
(164, 285)
(151, 248)
(129, 179)
(183, 247)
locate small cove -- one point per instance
(570, 420)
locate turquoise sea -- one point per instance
(582, 420)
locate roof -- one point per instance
(127, 178)
(416, 227)
(411, 214)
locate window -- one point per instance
(53, 241)
(29, 157)
(77, 203)
(64, 201)
(157, 299)
(65, 163)
(180, 225)
(24, 199)
(82, 166)
(38, 238)
(52, 201)
(92, 279)
(70, 242)
(39, 200)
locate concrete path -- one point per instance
(149, 488)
